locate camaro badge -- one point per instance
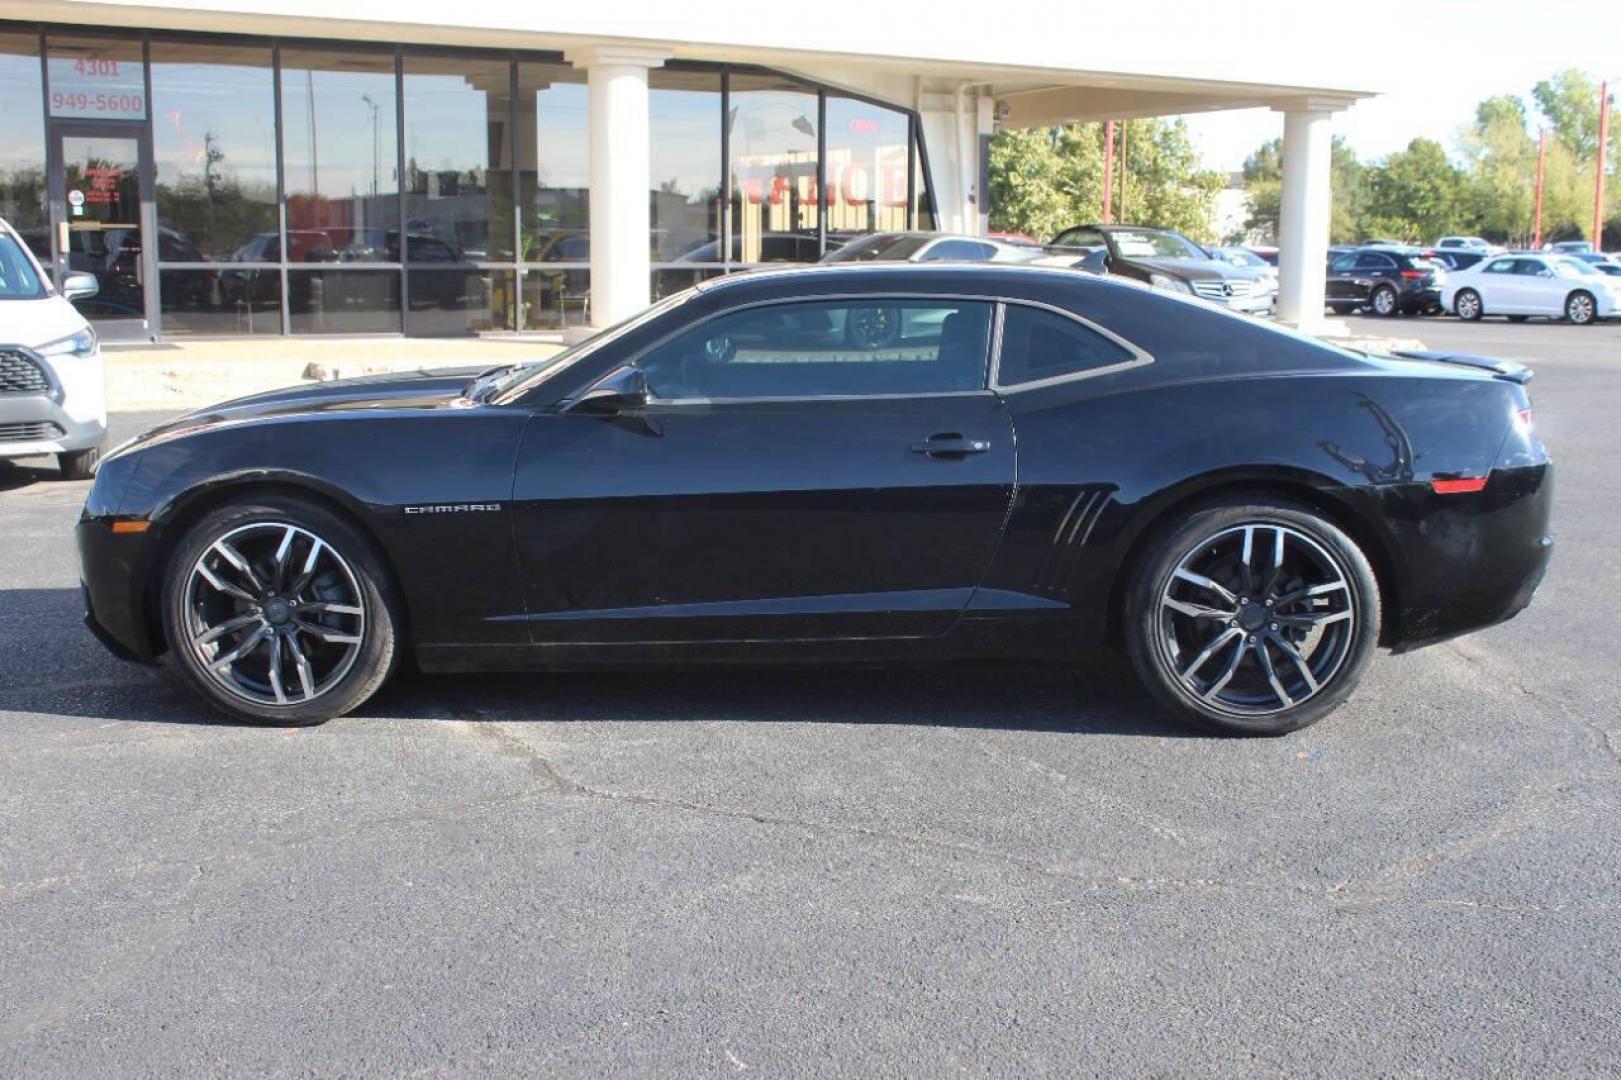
(454, 508)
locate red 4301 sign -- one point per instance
(97, 87)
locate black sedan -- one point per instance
(1388, 280)
(840, 464)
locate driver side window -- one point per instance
(823, 348)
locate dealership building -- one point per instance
(243, 167)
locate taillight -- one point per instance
(1461, 485)
(1414, 275)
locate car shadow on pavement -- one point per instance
(15, 476)
(55, 667)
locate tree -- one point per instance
(1570, 102)
(1502, 163)
(1414, 194)
(1044, 180)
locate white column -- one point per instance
(1303, 218)
(616, 83)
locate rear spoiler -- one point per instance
(1503, 369)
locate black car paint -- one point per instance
(1142, 269)
(1352, 283)
(775, 530)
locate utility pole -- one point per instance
(1108, 171)
(1125, 144)
(1598, 178)
(1542, 163)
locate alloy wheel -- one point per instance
(1579, 309)
(1256, 619)
(1468, 305)
(273, 614)
(1384, 301)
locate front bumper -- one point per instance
(70, 415)
(114, 579)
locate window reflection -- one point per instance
(458, 179)
(866, 169)
(340, 151)
(458, 301)
(553, 171)
(684, 118)
(226, 301)
(344, 301)
(22, 142)
(772, 122)
(214, 149)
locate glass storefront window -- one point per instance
(458, 171)
(340, 156)
(22, 142)
(684, 118)
(214, 149)
(220, 302)
(553, 169)
(458, 301)
(866, 169)
(343, 301)
(96, 78)
(772, 123)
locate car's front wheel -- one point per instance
(79, 464)
(1468, 305)
(1253, 617)
(1580, 308)
(279, 611)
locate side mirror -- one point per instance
(622, 390)
(1095, 261)
(80, 285)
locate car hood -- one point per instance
(32, 323)
(1197, 269)
(434, 388)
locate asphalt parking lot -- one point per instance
(984, 869)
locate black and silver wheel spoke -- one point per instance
(275, 614)
(1256, 619)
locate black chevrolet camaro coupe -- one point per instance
(844, 463)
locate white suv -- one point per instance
(53, 392)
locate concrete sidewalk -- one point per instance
(191, 374)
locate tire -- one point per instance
(1239, 675)
(1467, 306)
(328, 617)
(873, 327)
(80, 464)
(1581, 309)
(1384, 302)
(1518, 318)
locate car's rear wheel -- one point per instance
(278, 611)
(1253, 617)
(1384, 302)
(1580, 308)
(1468, 305)
(79, 464)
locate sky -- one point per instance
(1433, 61)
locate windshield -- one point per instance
(883, 246)
(1154, 245)
(18, 278)
(519, 380)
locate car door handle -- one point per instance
(950, 445)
